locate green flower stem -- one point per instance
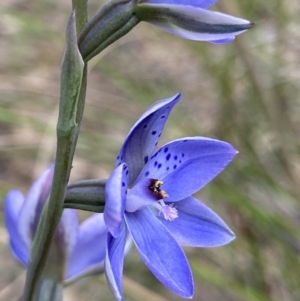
(49, 291)
(73, 83)
(80, 7)
(88, 195)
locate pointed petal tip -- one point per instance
(230, 148)
(246, 26)
(229, 238)
(235, 151)
(252, 24)
(206, 228)
(178, 95)
(189, 294)
(168, 265)
(114, 262)
(144, 136)
(187, 291)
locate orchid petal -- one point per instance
(89, 252)
(67, 230)
(12, 206)
(115, 191)
(140, 196)
(197, 225)
(33, 205)
(223, 41)
(143, 136)
(195, 3)
(193, 23)
(160, 252)
(186, 165)
(114, 262)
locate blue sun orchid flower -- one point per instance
(191, 20)
(149, 195)
(73, 253)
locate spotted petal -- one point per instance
(195, 3)
(12, 206)
(114, 262)
(193, 23)
(115, 193)
(143, 136)
(186, 165)
(197, 225)
(89, 252)
(160, 252)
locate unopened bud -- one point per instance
(111, 22)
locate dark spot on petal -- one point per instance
(155, 145)
(163, 116)
(123, 184)
(155, 163)
(154, 156)
(166, 149)
(127, 172)
(175, 157)
(147, 173)
(182, 155)
(159, 166)
(180, 161)
(168, 168)
(175, 166)
(145, 126)
(168, 157)
(184, 140)
(153, 132)
(159, 135)
(118, 157)
(146, 159)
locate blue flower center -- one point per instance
(148, 192)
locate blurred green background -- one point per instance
(246, 93)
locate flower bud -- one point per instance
(191, 20)
(111, 22)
